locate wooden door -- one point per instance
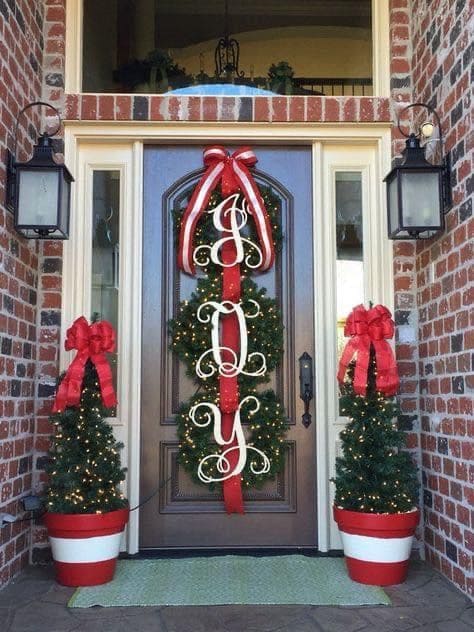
(184, 514)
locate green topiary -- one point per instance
(374, 475)
(84, 465)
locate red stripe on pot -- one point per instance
(85, 574)
(377, 573)
(85, 525)
(91, 533)
(379, 525)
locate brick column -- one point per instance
(20, 83)
(442, 61)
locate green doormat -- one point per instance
(233, 579)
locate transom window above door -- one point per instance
(302, 47)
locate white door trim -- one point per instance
(102, 145)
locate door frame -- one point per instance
(90, 146)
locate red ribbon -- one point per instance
(228, 386)
(232, 171)
(368, 328)
(92, 343)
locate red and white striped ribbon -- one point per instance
(233, 173)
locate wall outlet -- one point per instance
(31, 503)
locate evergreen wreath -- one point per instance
(266, 428)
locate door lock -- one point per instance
(306, 386)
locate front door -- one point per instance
(184, 513)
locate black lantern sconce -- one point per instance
(306, 385)
(418, 192)
(38, 192)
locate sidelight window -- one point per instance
(105, 250)
(349, 244)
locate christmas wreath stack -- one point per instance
(229, 334)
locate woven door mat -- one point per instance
(231, 579)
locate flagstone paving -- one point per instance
(426, 602)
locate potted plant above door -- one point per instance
(376, 482)
(86, 512)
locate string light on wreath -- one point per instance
(194, 441)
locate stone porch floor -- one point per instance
(426, 602)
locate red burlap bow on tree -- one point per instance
(92, 343)
(368, 328)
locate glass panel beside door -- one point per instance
(105, 250)
(349, 244)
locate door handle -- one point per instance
(306, 386)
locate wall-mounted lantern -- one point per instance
(38, 192)
(418, 192)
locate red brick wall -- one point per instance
(442, 65)
(49, 328)
(21, 55)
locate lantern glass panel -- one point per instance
(420, 198)
(64, 210)
(393, 205)
(37, 197)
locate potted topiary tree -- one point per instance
(376, 497)
(86, 512)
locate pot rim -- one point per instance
(87, 524)
(390, 525)
(87, 514)
(338, 508)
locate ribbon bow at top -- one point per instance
(368, 328)
(233, 173)
(92, 343)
